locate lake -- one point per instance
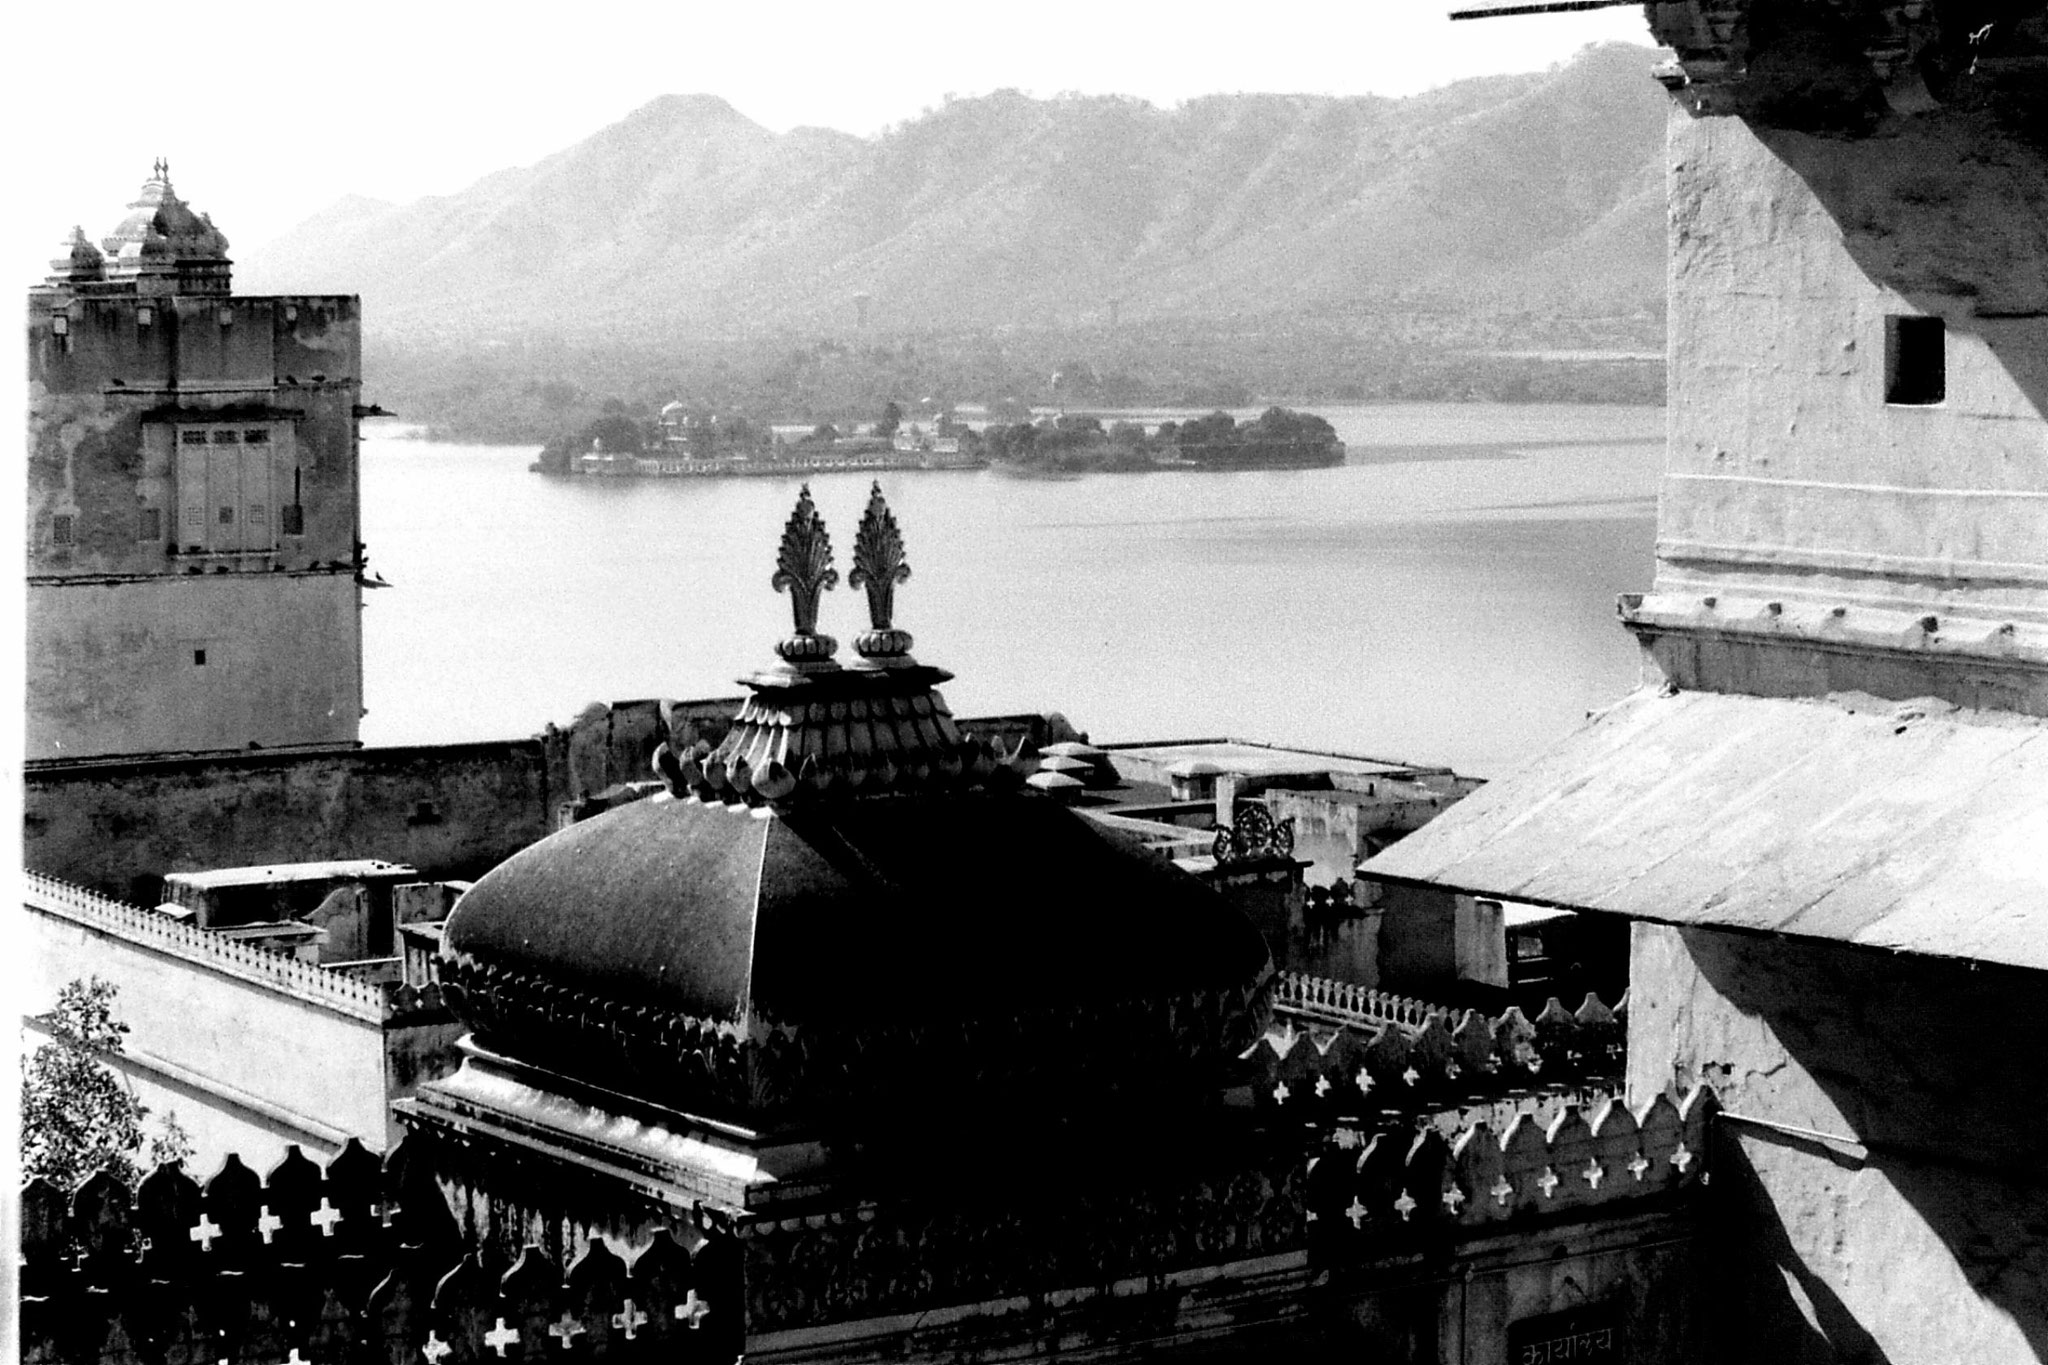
(1447, 596)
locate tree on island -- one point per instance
(621, 434)
(1285, 424)
(77, 1115)
(1274, 426)
(1218, 428)
(891, 419)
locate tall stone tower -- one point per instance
(193, 532)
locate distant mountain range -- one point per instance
(1540, 192)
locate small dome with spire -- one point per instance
(81, 261)
(165, 241)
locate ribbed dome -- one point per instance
(851, 912)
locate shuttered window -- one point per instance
(226, 478)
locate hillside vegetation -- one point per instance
(1269, 245)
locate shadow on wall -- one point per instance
(1950, 210)
(1936, 1067)
(1751, 1255)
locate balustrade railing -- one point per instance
(307, 981)
(1344, 1002)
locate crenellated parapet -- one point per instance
(1334, 1054)
(360, 1260)
(1391, 1183)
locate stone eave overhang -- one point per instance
(1902, 827)
(1832, 67)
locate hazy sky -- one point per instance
(270, 112)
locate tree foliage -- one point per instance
(621, 434)
(1217, 428)
(77, 1115)
(1284, 424)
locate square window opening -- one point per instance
(63, 530)
(199, 658)
(1916, 361)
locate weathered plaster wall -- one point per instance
(112, 663)
(1790, 478)
(253, 1069)
(417, 1049)
(130, 571)
(1640, 1271)
(1418, 940)
(450, 811)
(1917, 1229)
(1335, 828)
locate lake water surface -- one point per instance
(1447, 596)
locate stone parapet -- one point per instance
(150, 929)
(358, 1261)
(364, 1260)
(1337, 1053)
(1399, 1182)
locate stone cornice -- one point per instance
(1842, 67)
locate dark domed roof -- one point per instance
(849, 908)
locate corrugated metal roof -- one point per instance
(1917, 828)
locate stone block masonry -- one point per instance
(452, 811)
